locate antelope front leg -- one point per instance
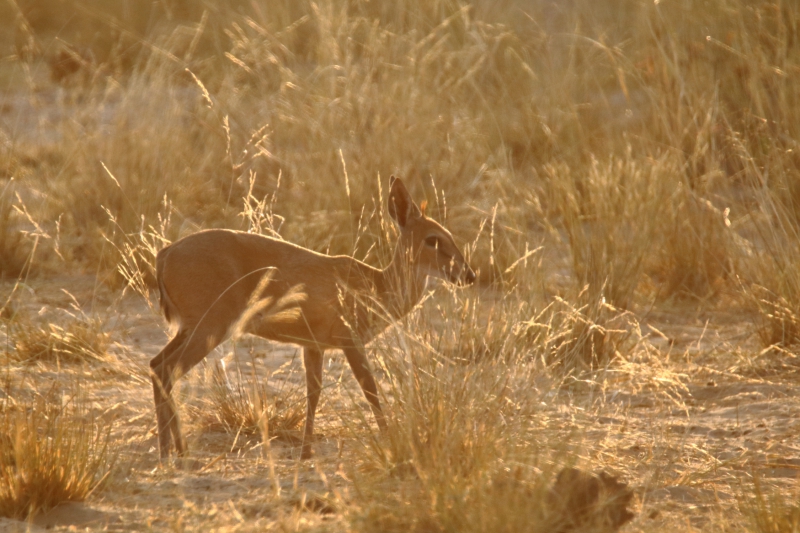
(358, 363)
(312, 360)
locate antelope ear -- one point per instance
(401, 206)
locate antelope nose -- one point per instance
(470, 277)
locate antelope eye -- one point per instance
(432, 241)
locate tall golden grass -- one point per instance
(597, 159)
(52, 451)
(620, 123)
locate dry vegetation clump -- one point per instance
(53, 451)
(447, 427)
(466, 430)
(773, 285)
(241, 405)
(77, 339)
(575, 340)
(636, 144)
(769, 511)
(121, 179)
(137, 254)
(453, 431)
(515, 324)
(699, 252)
(612, 217)
(778, 318)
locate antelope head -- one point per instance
(426, 244)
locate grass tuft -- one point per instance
(580, 339)
(769, 511)
(53, 451)
(240, 405)
(75, 340)
(459, 415)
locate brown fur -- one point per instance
(209, 280)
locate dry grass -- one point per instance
(75, 339)
(621, 173)
(774, 285)
(770, 512)
(454, 429)
(241, 406)
(52, 452)
(13, 256)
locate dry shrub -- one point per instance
(128, 152)
(697, 250)
(560, 336)
(772, 283)
(589, 342)
(780, 174)
(627, 218)
(259, 213)
(427, 433)
(78, 339)
(115, 35)
(460, 423)
(341, 87)
(769, 279)
(778, 323)
(452, 428)
(703, 76)
(53, 452)
(240, 405)
(122, 152)
(137, 253)
(724, 102)
(465, 328)
(769, 510)
(611, 217)
(574, 339)
(453, 419)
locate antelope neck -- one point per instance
(400, 285)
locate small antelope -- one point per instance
(207, 282)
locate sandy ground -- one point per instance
(688, 422)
